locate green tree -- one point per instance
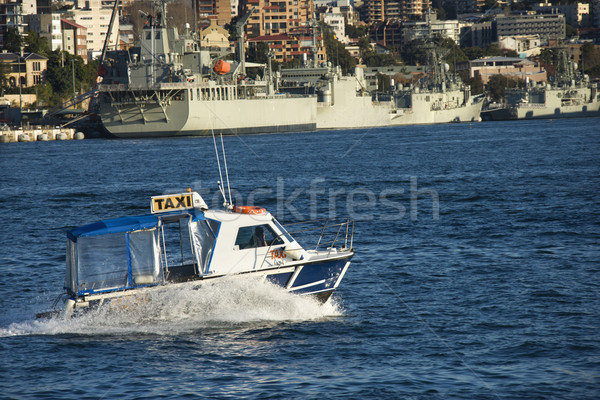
(13, 41)
(590, 63)
(37, 44)
(356, 32)
(414, 53)
(497, 84)
(258, 52)
(570, 31)
(473, 53)
(336, 51)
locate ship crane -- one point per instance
(239, 31)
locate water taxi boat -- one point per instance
(182, 240)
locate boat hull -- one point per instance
(319, 279)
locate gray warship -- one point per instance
(172, 86)
(344, 102)
(571, 95)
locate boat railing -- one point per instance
(332, 233)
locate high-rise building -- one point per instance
(219, 10)
(379, 10)
(95, 16)
(284, 26)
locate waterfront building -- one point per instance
(516, 68)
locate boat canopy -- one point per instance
(126, 224)
(128, 252)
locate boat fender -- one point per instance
(249, 210)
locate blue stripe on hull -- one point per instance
(279, 279)
(328, 272)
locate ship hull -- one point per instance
(196, 117)
(347, 110)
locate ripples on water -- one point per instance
(498, 298)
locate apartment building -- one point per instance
(48, 26)
(380, 10)
(219, 10)
(430, 27)
(95, 15)
(74, 38)
(547, 26)
(276, 17)
(11, 17)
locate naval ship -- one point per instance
(571, 95)
(172, 86)
(344, 102)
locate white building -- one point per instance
(335, 19)
(576, 14)
(525, 45)
(95, 15)
(29, 7)
(430, 27)
(48, 26)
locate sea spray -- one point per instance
(226, 303)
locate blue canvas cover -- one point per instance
(116, 254)
(115, 225)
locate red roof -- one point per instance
(66, 21)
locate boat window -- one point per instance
(102, 262)
(204, 240)
(214, 226)
(284, 233)
(257, 236)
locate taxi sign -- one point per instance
(173, 202)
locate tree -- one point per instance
(570, 31)
(414, 53)
(590, 56)
(258, 52)
(356, 32)
(496, 87)
(37, 44)
(13, 41)
(336, 51)
(473, 53)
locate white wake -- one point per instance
(223, 304)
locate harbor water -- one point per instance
(476, 273)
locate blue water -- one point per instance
(476, 273)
